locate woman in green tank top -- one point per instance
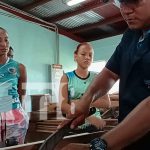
(73, 85)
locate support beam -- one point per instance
(92, 5)
(39, 21)
(35, 4)
(106, 21)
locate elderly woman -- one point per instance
(13, 120)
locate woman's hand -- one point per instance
(99, 123)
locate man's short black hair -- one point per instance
(128, 1)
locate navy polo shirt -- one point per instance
(131, 62)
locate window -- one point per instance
(97, 67)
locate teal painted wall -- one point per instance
(32, 47)
(35, 47)
(104, 48)
(67, 53)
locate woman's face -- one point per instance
(4, 43)
(84, 56)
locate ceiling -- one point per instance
(88, 21)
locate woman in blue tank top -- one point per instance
(13, 119)
(74, 84)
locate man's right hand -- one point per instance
(77, 109)
(81, 118)
(76, 122)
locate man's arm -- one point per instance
(134, 126)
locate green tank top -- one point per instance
(77, 87)
(9, 75)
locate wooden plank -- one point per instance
(79, 138)
(45, 131)
(84, 138)
(28, 146)
(44, 126)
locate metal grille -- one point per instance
(81, 19)
(52, 8)
(18, 2)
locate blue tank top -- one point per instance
(9, 75)
(77, 87)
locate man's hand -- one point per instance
(77, 109)
(74, 123)
(78, 120)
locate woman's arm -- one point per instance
(22, 82)
(63, 95)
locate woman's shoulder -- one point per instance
(13, 63)
(70, 74)
(16, 62)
